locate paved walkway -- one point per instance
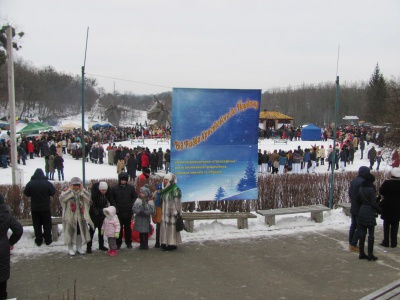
(299, 266)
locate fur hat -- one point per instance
(369, 178)
(145, 190)
(171, 179)
(395, 172)
(363, 170)
(103, 186)
(75, 180)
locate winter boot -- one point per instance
(79, 244)
(71, 250)
(89, 247)
(101, 244)
(141, 237)
(146, 241)
(361, 243)
(371, 255)
(157, 245)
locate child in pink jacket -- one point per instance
(110, 229)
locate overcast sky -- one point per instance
(209, 43)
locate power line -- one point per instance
(128, 80)
(271, 89)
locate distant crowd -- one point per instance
(350, 139)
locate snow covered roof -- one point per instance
(273, 115)
(350, 118)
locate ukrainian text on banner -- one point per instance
(214, 143)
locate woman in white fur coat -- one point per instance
(171, 205)
(75, 203)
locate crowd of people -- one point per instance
(109, 210)
(349, 140)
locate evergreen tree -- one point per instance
(392, 136)
(376, 98)
(249, 180)
(220, 193)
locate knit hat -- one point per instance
(1, 199)
(75, 180)
(145, 190)
(103, 186)
(395, 172)
(146, 171)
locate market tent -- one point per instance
(4, 125)
(351, 119)
(101, 125)
(70, 126)
(34, 128)
(311, 133)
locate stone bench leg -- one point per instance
(189, 224)
(54, 232)
(270, 220)
(318, 216)
(346, 211)
(242, 223)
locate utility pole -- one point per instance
(16, 175)
(83, 115)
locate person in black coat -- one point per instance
(367, 216)
(59, 164)
(131, 166)
(123, 196)
(153, 160)
(160, 156)
(7, 221)
(355, 207)
(100, 195)
(40, 190)
(390, 205)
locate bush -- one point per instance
(274, 191)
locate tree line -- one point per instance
(51, 93)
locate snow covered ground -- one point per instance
(203, 230)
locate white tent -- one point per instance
(70, 126)
(351, 118)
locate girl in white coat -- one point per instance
(111, 228)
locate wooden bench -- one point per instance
(242, 222)
(280, 141)
(391, 291)
(163, 140)
(315, 210)
(54, 228)
(346, 208)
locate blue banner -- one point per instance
(214, 143)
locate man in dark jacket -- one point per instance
(390, 205)
(40, 190)
(7, 221)
(131, 166)
(355, 207)
(371, 157)
(122, 196)
(160, 157)
(153, 160)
